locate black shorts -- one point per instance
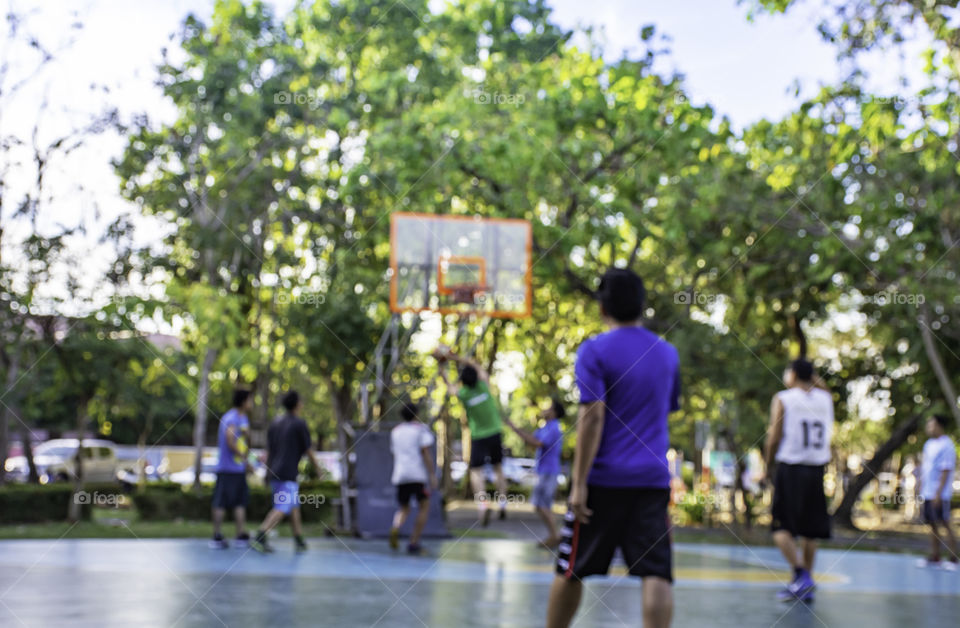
(799, 503)
(484, 450)
(631, 519)
(231, 491)
(411, 489)
(935, 515)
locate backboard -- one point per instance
(460, 265)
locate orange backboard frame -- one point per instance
(395, 306)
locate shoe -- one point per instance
(486, 517)
(924, 563)
(802, 587)
(503, 514)
(218, 542)
(949, 565)
(261, 545)
(242, 541)
(394, 539)
(415, 549)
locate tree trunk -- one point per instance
(141, 450)
(933, 356)
(843, 516)
(33, 474)
(75, 509)
(343, 410)
(200, 426)
(13, 371)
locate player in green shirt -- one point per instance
(483, 421)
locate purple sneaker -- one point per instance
(802, 587)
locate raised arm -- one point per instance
(465, 361)
(526, 436)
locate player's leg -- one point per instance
(240, 501)
(240, 520)
(400, 516)
(657, 602)
(645, 541)
(565, 594)
(501, 483)
(950, 540)
(423, 512)
(218, 515)
(809, 548)
(546, 515)
(496, 459)
(788, 547)
(296, 525)
(936, 541)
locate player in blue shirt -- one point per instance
(629, 382)
(231, 491)
(548, 440)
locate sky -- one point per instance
(745, 69)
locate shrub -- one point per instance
(35, 503)
(164, 502)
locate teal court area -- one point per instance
(461, 583)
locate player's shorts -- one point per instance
(544, 491)
(231, 491)
(799, 502)
(631, 519)
(286, 495)
(936, 515)
(484, 450)
(411, 489)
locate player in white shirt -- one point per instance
(798, 441)
(413, 474)
(936, 487)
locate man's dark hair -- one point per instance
(942, 419)
(469, 376)
(240, 397)
(621, 294)
(558, 410)
(803, 370)
(409, 411)
(290, 400)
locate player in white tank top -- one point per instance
(801, 427)
(807, 426)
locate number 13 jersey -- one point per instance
(807, 426)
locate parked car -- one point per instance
(56, 461)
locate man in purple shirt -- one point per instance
(629, 382)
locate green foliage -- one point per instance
(31, 503)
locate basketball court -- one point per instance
(464, 582)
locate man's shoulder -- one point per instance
(613, 338)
